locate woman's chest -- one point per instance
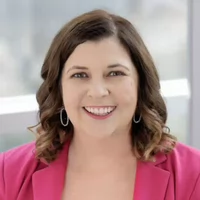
(102, 187)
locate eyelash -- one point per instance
(118, 72)
(81, 74)
(78, 74)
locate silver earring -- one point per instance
(61, 117)
(138, 120)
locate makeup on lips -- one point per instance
(99, 112)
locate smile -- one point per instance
(100, 111)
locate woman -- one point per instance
(102, 132)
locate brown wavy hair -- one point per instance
(150, 135)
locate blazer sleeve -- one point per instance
(196, 192)
(2, 179)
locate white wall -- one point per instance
(194, 50)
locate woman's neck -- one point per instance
(95, 154)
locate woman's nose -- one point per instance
(98, 90)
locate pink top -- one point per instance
(172, 177)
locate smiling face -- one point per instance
(99, 86)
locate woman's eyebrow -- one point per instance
(86, 68)
(118, 65)
(77, 67)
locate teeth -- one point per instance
(100, 111)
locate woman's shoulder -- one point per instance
(185, 155)
(18, 161)
(184, 163)
(17, 166)
(183, 166)
(183, 160)
(18, 155)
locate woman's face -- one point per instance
(99, 85)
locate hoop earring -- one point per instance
(137, 121)
(65, 118)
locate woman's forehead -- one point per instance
(106, 52)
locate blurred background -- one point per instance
(28, 27)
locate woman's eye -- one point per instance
(117, 73)
(79, 75)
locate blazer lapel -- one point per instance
(151, 181)
(48, 182)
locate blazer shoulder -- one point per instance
(183, 164)
(20, 154)
(184, 158)
(16, 164)
(186, 155)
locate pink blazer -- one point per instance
(172, 177)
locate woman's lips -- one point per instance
(99, 112)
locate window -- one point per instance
(25, 38)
